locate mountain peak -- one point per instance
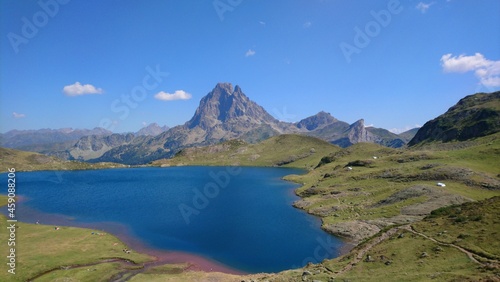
(319, 120)
(152, 129)
(358, 124)
(223, 87)
(223, 104)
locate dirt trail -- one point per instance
(360, 254)
(363, 251)
(472, 256)
(123, 262)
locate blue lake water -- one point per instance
(241, 217)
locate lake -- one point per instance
(241, 217)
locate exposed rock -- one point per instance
(369, 258)
(355, 230)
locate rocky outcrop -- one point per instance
(91, 147)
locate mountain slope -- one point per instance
(223, 114)
(283, 150)
(473, 116)
(151, 130)
(46, 139)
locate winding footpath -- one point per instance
(363, 251)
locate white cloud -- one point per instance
(487, 71)
(177, 95)
(423, 7)
(262, 23)
(404, 129)
(18, 115)
(249, 53)
(77, 89)
(307, 24)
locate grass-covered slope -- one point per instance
(284, 150)
(457, 243)
(360, 190)
(380, 198)
(29, 161)
(473, 116)
(41, 249)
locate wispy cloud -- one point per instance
(307, 25)
(18, 115)
(249, 53)
(177, 95)
(404, 129)
(262, 23)
(423, 7)
(487, 71)
(77, 89)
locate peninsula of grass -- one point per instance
(41, 249)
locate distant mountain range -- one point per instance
(67, 143)
(226, 113)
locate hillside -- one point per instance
(29, 161)
(473, 116)
(283, 150)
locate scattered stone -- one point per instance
(369, 259)
(402, 235)
(305, 273)
(424, 255)
(389, 262)
(438, 249)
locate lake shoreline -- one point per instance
(122, 232)
(162, 256)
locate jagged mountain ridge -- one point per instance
(226, 113)
(223, 114)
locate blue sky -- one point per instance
(122, 64)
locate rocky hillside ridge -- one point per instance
(152, 129)
(225, 113)
(25, 139)
(473, 116)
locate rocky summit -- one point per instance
(225, 113)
